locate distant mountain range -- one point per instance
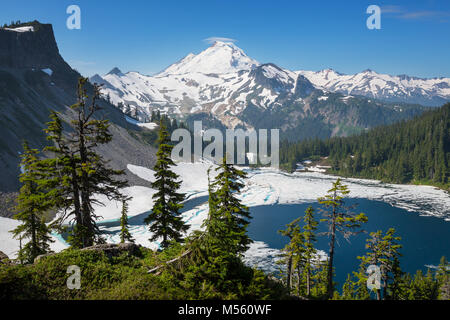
(402, 88)
(221, 85)
(222, 82)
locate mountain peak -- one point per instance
(368, 71)
(115, 71)
(219, 58)
(224, 44)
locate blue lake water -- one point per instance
(425, 239)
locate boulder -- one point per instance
(43, 256)
(114, 250)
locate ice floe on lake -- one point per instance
(262, 187)
(261, 256)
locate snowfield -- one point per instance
(48, 71)
(262, 187)
(21, 29)
(10, 246)
(149, 125)
(377, 85)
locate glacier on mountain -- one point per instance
(223, 80)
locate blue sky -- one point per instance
(149, 35)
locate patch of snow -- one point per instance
(47, 71)
(11, 246)
(21, 29)
(148, 125)
(131, 120)
(220, 58)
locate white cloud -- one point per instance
(221, 39)
(392, 9)
(400, 12)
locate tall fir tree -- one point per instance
(424, 287)
(230, 218)
(165, 219)
(211, 222)
(292, 253)
(443, 277)
(348, 289)
(31, 207)
(125, 235)
(341, 220)
(299, 254)
(361, 292)
(383, 252)
(310, 253)
(217, 250)
(77, 172)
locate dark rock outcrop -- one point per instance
(35, 79)
(114, 250)
(8, 201)
(304, 87)
(34, 49)
(4, 259)
(43, 256)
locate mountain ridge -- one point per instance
(216, 83)
(401, 88)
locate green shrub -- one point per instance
(126, 277)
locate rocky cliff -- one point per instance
(35, 79)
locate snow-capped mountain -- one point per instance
(224, 83)
(402, 88)
(218, 80)
(220, 58)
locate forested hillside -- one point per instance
(414, 151)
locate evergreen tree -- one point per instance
(158, 116)
(153, 116)
(230, 218)
(299, 254)
(383, 252)
(443, 277)
(310, 253)
(361, 290)
(423, 287)
(165, 219)
(211, 223)
(78, 172)
(417, 150)
(125, 235)
(216, 252)
(31, 208)
(320, 287)
(340, 220)
(348, 289)
(398, 287)
(292, 253)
